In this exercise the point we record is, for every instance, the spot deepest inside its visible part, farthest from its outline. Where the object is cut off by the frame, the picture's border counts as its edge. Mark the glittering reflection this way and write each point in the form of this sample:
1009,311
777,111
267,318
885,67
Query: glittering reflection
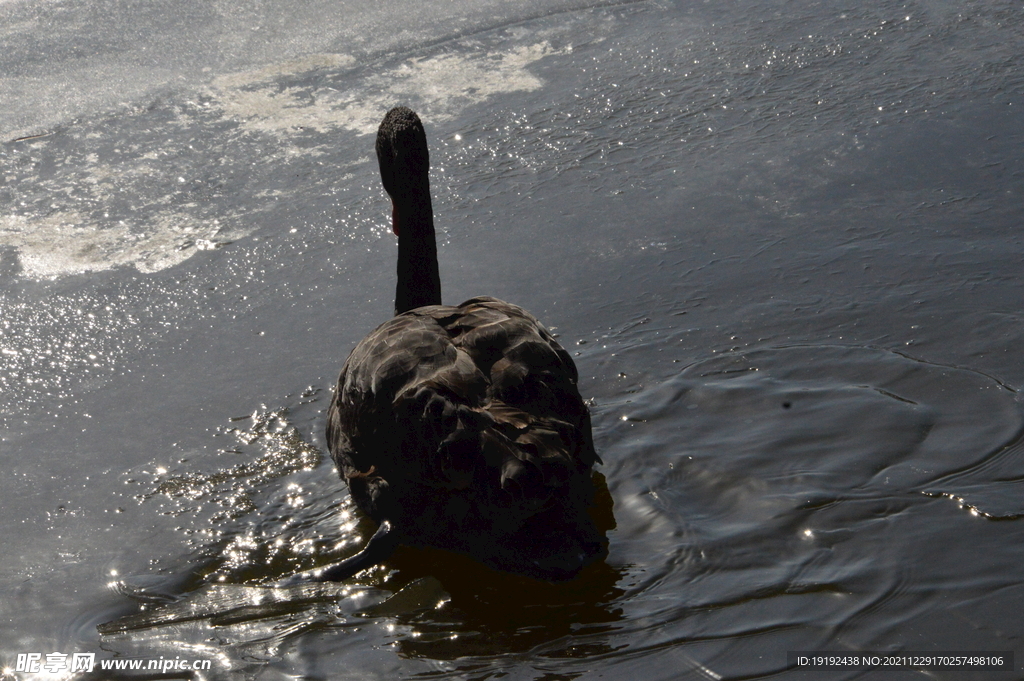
284,451
275,511
274,508
991,489
238,627
222,605
49,351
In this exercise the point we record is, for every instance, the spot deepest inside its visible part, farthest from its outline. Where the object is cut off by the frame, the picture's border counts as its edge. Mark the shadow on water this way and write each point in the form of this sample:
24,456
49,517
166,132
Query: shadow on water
490,613
493,614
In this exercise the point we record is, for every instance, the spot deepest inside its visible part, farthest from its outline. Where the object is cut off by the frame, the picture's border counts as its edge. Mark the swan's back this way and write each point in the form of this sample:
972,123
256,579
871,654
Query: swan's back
463,427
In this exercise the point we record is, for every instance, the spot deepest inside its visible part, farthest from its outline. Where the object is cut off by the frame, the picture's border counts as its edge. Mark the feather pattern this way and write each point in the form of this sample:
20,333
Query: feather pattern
484,429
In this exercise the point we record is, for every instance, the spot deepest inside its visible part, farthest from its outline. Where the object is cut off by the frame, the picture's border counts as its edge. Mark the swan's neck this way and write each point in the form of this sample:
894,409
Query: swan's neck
418,281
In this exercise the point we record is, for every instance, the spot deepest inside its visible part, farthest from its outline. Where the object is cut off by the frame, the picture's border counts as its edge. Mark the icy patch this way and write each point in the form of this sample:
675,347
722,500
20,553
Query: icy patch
66,243
153,188
438,86
285,68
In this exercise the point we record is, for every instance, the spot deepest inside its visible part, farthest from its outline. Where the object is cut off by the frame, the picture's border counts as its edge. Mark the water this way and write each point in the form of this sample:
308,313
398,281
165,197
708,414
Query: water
782,241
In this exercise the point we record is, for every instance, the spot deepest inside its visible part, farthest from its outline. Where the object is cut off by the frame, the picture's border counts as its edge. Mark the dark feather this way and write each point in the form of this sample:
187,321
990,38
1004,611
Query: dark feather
472,425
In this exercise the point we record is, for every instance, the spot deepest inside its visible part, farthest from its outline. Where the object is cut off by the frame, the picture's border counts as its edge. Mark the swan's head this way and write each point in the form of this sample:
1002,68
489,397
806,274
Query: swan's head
403,158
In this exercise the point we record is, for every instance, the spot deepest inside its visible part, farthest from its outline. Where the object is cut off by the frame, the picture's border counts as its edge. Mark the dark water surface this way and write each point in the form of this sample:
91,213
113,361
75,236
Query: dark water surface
783,241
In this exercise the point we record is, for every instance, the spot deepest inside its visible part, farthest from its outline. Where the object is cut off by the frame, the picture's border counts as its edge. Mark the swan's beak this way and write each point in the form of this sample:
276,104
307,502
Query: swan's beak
394,218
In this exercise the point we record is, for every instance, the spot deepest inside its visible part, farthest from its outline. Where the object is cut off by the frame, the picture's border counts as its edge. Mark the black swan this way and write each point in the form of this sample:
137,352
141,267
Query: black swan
460,427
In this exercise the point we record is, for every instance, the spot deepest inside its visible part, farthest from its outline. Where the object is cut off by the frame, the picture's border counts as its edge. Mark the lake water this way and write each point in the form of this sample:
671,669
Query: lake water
782,240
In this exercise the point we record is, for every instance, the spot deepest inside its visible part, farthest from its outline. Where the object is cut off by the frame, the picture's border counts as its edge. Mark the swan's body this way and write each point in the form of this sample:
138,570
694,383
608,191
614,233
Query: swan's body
460,427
